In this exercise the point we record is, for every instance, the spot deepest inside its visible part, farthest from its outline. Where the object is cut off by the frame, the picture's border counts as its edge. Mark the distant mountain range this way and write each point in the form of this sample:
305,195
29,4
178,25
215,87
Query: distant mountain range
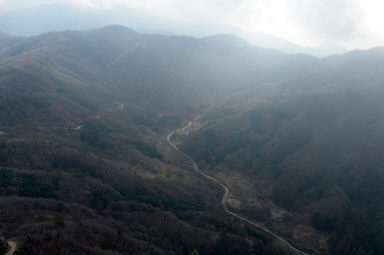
53,17
260,39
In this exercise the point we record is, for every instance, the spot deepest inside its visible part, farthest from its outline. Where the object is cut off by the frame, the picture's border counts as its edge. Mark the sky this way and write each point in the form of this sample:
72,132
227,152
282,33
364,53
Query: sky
352,23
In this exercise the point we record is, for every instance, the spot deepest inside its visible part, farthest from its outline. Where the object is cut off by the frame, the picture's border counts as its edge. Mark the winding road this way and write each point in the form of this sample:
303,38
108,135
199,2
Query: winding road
12,247
226,193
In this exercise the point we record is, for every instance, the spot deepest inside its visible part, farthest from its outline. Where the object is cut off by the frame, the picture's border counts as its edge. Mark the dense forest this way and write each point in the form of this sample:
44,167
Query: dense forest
84,163
316,149
85,167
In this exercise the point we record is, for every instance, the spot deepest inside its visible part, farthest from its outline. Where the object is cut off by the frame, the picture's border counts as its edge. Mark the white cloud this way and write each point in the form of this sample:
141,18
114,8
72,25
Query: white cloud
304,21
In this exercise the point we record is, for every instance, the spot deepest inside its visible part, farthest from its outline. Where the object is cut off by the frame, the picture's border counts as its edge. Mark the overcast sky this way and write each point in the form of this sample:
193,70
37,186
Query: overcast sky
354,23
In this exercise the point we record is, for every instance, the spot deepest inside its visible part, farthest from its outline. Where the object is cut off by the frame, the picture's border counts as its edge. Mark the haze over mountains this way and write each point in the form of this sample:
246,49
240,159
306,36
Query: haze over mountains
86,168
33,20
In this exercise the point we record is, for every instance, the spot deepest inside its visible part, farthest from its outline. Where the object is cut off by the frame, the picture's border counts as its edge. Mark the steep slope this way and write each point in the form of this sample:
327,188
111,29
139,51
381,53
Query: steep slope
174,75
84,164
313,147
83,154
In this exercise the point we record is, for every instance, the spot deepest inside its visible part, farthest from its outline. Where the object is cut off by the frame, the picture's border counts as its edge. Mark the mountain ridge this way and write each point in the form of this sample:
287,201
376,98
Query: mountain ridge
289,134
69,17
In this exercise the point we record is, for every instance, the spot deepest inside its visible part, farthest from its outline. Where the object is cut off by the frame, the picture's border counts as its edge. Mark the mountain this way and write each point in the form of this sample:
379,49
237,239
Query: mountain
313,147
172,74
29,21
85,166
67,16
260,39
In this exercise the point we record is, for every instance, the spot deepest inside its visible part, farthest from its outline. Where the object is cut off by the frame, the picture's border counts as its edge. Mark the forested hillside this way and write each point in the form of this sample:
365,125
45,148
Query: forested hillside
84,163
313,146
85,167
